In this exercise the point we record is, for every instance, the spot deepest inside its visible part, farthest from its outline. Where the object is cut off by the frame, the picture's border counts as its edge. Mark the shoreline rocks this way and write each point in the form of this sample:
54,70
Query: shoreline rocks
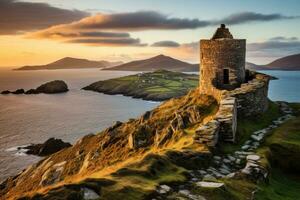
49,147
52,87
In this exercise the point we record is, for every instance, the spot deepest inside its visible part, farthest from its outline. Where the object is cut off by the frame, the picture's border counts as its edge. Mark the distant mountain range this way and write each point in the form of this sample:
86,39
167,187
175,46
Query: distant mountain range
155,63
291,63
288,63
72,63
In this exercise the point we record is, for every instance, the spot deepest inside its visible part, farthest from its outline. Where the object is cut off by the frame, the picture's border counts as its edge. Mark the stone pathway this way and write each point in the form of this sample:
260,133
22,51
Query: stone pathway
226,166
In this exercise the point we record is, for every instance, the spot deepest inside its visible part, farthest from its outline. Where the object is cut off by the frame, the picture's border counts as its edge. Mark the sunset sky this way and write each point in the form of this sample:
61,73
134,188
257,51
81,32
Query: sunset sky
41,31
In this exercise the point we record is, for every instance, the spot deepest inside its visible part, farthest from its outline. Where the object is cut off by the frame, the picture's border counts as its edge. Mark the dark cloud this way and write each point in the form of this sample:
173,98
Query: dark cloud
273,48
276,44
145,20
243,17
142,20
103,27
281,38
165,44
151,20
18,17
109,42
88,34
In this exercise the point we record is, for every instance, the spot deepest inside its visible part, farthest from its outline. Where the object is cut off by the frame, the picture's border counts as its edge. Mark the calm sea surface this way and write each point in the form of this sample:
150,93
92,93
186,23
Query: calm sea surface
28,119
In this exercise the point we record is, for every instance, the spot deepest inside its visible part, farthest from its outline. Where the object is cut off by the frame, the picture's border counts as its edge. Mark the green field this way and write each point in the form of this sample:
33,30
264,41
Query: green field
157,86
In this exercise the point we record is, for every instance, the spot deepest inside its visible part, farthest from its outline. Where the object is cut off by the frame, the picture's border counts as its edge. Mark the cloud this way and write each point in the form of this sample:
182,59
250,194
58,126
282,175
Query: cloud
142,20
108,42
111,25
276,44
151,20
281,38
186,51
19,17
74,34
243,17
165,44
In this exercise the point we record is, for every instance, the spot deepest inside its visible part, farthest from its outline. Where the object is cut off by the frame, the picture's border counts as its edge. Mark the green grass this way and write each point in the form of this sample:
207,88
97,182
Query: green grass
235,189
281,186
246,126
282,149
158,85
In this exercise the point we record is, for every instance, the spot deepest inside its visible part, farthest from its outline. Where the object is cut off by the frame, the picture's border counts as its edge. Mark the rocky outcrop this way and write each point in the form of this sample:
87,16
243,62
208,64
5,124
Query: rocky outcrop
49,147
18,91
51,87
5,92
31,91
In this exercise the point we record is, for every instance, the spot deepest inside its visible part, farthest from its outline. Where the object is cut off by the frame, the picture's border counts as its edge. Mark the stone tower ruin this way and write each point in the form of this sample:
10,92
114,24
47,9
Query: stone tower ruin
222,60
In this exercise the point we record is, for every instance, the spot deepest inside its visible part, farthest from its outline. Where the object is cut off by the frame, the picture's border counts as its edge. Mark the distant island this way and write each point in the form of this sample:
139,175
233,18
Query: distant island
155,63
288,63
52,87
71,63
156,86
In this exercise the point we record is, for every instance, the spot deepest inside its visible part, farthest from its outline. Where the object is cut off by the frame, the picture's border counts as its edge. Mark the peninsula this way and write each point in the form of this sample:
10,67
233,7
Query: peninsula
155,86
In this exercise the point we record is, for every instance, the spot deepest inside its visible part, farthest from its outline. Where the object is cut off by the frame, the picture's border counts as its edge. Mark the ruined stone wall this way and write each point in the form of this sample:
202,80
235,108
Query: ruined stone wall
252,97
248,100
217,55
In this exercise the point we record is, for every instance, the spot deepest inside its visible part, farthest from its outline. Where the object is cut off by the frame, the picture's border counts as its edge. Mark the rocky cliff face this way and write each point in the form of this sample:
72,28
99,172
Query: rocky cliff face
164,131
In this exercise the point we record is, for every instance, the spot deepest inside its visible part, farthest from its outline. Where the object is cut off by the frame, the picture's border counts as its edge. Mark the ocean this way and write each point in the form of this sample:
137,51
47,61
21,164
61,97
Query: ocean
26,119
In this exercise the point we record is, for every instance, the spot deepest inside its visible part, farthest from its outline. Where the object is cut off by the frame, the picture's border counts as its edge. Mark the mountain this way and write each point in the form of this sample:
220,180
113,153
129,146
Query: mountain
291,62
72,63
156,63
288,63
253,66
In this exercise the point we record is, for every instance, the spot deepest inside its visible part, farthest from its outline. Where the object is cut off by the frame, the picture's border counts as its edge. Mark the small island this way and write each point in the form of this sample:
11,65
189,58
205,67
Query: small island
51,87
159,85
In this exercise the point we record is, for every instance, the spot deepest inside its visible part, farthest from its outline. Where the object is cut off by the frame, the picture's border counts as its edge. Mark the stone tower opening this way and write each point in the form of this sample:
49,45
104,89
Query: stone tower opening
226,76
222,61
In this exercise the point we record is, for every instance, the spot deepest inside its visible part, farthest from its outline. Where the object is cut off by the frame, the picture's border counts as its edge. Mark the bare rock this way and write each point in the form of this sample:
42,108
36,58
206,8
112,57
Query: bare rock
5,92
52,87
31,91
19,91
210,184
49,147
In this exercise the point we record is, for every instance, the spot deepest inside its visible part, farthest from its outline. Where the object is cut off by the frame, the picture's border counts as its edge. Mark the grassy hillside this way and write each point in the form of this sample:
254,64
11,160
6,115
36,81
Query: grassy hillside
128,160
157,86
282,149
